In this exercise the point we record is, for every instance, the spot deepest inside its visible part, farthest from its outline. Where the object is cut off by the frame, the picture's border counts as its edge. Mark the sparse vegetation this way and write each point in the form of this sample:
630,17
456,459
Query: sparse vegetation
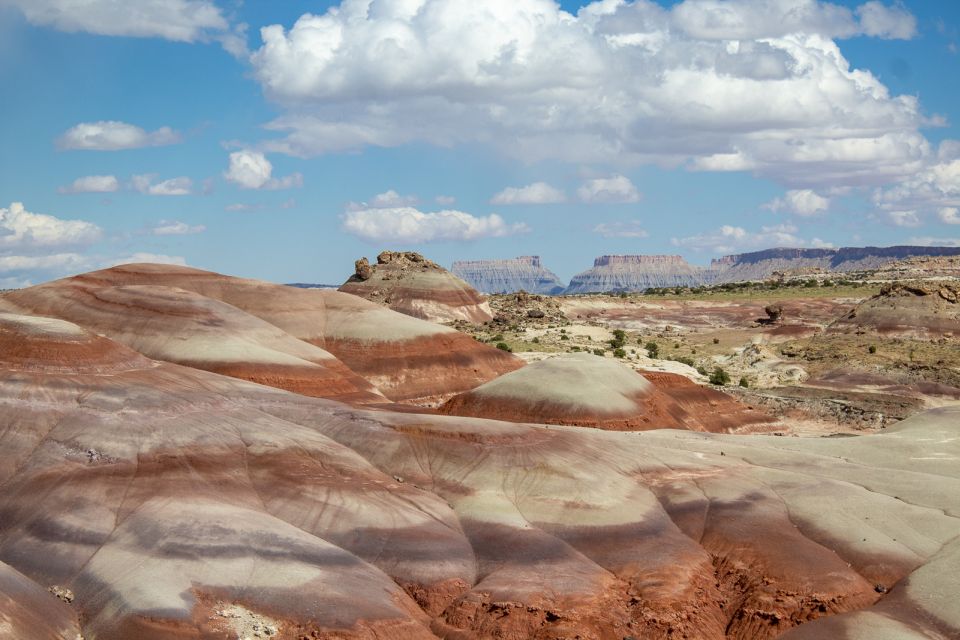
619,353
744,382
653,350
598,352
503,346
719,377
872,348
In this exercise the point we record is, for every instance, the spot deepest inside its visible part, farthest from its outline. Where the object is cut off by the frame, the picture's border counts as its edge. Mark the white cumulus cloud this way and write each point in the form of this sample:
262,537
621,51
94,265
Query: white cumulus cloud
252,170
176,228
23,230
112,135
536,193
92,184
949,215
145,184
628,229
903,218
733,239
756,85
802,202
180,20
409,225
616,189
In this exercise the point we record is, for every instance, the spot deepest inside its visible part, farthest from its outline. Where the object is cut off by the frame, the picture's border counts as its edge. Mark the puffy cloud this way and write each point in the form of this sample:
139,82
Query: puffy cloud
409,225
802,202
21,230
894,22
181,20
616,189
740,85
50,262
731,239
111,135
251,170
536,193
936,186
181,186
391,198
752,19
903,218
949,215
176,228
92,184
630,229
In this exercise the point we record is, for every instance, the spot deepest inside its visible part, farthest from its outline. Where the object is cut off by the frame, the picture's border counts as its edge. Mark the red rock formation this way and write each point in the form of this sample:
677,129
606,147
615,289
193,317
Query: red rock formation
184,327
715,410
920,310
404,358
591,391
178,503
410,284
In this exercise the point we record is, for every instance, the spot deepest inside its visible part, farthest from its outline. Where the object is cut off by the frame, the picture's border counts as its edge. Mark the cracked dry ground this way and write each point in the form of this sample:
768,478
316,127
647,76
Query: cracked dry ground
160,495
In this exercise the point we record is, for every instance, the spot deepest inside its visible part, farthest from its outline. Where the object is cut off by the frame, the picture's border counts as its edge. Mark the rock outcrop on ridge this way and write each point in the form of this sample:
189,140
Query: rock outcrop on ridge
403,358
525,273
918,310
636,273
171,502
410,284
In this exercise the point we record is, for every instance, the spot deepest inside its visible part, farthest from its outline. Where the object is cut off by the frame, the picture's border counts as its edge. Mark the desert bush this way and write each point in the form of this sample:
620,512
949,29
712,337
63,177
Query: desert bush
503,346
719,377
653,350
619,353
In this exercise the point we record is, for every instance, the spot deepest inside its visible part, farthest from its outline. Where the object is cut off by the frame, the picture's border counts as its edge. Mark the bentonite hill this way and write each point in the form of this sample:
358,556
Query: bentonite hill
609,320
189,455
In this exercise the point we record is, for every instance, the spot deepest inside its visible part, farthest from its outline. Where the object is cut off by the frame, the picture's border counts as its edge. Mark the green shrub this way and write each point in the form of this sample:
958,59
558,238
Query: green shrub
701,371
684,360
872,349
536,340
716,341
653,350
619,353
564,337
744,382
598,352
503,346
719,377
497,338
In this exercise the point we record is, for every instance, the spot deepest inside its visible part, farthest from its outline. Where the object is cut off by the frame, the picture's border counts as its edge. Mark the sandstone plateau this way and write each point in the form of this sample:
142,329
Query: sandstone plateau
525,273
410,284
636,273
925,310
141,498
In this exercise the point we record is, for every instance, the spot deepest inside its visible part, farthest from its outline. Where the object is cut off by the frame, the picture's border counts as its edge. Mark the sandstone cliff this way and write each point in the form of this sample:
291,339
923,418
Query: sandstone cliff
762,264
635,273
525,273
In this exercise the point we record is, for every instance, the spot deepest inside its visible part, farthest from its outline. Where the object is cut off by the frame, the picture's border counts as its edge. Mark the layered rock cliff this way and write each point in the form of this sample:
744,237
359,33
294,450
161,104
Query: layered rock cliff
525,273
635,273
758,265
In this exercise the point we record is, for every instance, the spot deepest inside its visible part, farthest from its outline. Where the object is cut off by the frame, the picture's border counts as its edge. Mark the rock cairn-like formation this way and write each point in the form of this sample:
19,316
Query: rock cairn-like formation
525,273
636,273
408,283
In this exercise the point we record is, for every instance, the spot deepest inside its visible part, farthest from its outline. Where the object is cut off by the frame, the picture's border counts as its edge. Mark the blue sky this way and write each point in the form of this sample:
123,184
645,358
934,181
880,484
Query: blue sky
469,130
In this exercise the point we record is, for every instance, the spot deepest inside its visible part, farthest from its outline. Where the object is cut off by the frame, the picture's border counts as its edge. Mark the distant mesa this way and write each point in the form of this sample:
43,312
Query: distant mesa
924,310
525,273
636,273
640,272
408,283
592,391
